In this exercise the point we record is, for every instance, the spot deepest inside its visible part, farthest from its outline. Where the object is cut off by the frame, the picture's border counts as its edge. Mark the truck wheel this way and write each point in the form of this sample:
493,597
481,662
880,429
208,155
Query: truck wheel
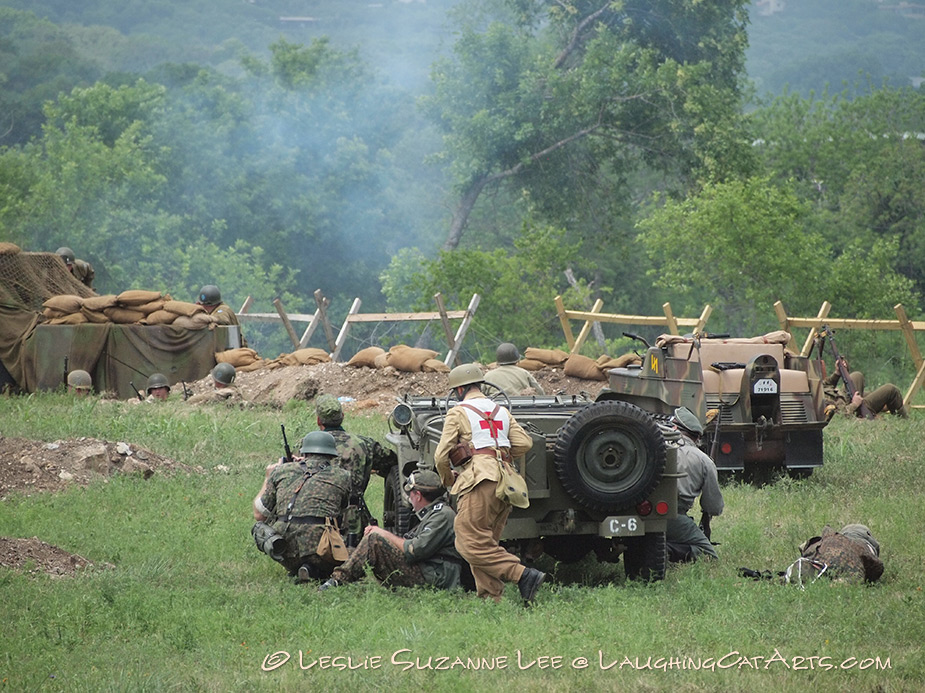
645,557
396,514
610,455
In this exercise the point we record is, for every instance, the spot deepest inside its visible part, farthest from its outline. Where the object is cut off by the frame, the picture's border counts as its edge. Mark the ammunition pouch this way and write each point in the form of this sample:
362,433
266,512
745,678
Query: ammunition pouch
268,541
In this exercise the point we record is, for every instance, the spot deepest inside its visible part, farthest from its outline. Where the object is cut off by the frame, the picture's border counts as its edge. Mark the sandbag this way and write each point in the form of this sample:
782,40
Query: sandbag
434,366
409,359
8,248
187,323
238,358
137,297
123,316
551,357
159,317
53,314
382,360
148,308
531,364
201,320
95,316
98,303
71,319
256,365
366,357
66,303
584,367
183,308
310,356
606,362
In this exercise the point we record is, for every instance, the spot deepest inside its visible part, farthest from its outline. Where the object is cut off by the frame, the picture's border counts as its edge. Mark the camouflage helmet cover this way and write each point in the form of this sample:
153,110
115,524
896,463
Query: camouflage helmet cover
328,410
209,295
319,443
66,254
506,354
466,374
224,373
79,380
156,380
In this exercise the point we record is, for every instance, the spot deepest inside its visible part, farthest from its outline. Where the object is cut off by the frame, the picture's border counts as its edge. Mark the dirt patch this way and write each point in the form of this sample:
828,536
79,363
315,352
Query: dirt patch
28,466
367,389
36,556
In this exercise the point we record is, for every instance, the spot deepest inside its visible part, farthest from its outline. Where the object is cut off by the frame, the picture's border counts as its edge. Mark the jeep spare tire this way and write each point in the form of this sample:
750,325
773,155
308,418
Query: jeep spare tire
610,455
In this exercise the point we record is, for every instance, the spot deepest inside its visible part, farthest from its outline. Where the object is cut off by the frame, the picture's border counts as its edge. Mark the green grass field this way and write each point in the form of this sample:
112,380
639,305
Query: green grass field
192,605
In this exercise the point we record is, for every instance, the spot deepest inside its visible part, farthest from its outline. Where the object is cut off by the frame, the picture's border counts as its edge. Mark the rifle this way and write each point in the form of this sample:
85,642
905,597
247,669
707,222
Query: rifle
64,380
705,525
286,447
187,393
140,396
842,366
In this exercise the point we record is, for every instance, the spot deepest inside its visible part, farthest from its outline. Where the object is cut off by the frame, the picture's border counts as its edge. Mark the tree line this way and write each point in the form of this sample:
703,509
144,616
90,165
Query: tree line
617,141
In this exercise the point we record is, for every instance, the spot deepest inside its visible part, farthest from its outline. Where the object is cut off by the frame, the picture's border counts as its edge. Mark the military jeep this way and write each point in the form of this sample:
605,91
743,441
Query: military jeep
768,403
602,477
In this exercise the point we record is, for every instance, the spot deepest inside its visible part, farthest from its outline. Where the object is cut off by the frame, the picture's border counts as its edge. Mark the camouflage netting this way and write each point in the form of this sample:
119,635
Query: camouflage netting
27,280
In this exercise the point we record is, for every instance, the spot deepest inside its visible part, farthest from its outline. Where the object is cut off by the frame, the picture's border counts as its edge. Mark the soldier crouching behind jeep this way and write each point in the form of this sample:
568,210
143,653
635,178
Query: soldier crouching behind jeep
295,502
424,556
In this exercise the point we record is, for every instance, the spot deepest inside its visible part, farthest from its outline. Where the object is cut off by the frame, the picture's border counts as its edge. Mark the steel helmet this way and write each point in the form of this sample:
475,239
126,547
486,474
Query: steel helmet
209,295
507,354
467,374
224,373
79,380
156,380
66,254
319,443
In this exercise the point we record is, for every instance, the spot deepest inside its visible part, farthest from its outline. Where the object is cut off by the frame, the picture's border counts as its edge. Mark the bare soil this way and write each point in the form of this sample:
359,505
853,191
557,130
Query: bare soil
28,466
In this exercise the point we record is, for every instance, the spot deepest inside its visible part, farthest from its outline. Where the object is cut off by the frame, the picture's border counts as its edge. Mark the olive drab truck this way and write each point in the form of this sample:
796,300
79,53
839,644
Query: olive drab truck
602,477
764,404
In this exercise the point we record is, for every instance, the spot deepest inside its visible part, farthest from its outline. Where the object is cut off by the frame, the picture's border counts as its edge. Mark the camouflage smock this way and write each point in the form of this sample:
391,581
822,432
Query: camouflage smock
360,455
322,495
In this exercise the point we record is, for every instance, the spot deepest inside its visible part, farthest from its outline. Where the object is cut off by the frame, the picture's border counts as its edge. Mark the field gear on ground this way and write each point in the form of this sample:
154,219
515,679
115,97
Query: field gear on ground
331,545
466,374
156,380
224,373
268,541
209,295
319,443
506,354
79,380
328,410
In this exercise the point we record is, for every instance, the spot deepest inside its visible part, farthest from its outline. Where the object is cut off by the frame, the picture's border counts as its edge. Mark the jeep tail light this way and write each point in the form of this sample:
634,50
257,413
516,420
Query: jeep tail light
725,448
661,508
644,508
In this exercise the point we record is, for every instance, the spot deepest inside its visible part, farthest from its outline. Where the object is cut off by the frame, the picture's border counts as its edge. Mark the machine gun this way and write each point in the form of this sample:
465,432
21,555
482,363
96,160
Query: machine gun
842,367
286,447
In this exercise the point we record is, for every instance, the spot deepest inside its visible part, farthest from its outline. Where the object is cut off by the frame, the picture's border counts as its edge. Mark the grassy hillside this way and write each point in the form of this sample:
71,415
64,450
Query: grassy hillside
190,604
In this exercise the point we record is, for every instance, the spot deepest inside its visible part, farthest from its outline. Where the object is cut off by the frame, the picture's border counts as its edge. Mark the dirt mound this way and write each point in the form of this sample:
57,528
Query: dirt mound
367,388
36,556
27,466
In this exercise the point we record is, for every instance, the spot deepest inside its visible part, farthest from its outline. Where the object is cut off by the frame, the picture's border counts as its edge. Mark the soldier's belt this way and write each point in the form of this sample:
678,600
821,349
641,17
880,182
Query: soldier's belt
306,520
505,452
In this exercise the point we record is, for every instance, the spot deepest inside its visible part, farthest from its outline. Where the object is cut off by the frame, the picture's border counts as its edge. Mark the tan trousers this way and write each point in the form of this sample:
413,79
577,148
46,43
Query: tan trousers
480,519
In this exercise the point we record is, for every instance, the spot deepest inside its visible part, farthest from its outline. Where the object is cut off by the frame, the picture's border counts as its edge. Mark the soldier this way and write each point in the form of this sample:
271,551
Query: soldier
481,515
295,501
157,389
360,455
210,298
81,269
510,377
424,556
686,541
886,397
223,387
851,554
79,383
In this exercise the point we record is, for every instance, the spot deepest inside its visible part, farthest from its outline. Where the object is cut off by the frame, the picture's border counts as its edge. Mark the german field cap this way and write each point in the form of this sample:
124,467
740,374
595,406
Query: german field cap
688,420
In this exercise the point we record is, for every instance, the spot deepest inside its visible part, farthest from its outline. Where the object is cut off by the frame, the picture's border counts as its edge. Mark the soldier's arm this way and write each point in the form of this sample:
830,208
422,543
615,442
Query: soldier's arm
711,498
430,538
266,497
452,433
